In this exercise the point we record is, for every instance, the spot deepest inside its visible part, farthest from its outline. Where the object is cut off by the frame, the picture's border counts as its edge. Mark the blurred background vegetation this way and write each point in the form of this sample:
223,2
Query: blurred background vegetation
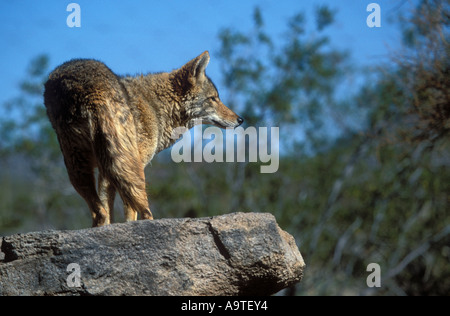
364,176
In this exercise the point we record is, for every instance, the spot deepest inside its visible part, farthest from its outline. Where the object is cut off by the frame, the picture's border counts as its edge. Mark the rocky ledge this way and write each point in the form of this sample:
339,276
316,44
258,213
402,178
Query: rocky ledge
234,254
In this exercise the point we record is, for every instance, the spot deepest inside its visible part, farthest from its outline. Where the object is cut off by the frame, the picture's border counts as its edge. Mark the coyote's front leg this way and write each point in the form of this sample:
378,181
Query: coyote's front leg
107,193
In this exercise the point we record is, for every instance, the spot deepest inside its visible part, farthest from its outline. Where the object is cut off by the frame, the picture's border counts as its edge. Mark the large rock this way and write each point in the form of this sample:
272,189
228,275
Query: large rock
235,254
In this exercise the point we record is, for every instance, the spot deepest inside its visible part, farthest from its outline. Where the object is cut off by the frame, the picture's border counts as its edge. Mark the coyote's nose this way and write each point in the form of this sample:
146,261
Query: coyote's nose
240,120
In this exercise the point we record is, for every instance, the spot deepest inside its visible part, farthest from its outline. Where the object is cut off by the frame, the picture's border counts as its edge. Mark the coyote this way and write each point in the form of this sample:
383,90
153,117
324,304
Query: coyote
118,123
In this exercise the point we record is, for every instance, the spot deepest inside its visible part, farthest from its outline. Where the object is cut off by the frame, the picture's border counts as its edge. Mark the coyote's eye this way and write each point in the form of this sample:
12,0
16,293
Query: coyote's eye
214,99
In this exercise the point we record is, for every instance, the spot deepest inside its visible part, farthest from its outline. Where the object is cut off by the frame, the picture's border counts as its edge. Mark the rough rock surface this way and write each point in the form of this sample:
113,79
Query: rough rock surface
235,254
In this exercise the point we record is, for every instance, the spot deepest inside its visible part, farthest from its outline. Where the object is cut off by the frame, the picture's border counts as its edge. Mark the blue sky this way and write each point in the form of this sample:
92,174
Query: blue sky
148,36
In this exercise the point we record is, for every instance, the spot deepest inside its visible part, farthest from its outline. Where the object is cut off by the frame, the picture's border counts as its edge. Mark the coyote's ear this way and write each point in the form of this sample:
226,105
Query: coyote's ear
202,62
198,65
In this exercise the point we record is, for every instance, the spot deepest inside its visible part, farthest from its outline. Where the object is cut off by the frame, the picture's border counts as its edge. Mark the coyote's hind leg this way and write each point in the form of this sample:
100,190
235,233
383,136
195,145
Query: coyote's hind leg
81,175
134,197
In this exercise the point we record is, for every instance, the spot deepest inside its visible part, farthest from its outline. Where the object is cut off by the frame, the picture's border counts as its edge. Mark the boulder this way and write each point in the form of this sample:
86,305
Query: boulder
234,254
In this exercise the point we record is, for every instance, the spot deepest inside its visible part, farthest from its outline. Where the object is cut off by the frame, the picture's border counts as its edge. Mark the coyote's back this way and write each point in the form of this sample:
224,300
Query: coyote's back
75,88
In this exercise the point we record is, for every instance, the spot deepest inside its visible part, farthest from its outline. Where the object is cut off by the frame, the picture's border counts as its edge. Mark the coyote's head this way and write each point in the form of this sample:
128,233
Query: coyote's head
200,100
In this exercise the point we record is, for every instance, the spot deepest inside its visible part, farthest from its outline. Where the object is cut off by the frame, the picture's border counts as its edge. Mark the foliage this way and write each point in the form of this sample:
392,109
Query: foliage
282,84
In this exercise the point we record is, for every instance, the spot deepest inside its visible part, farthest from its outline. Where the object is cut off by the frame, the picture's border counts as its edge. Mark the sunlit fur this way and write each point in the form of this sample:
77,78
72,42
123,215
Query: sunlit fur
118,124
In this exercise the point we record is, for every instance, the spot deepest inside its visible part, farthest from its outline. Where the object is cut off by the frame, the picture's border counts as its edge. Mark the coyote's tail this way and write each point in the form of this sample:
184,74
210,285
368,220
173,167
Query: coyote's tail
117,153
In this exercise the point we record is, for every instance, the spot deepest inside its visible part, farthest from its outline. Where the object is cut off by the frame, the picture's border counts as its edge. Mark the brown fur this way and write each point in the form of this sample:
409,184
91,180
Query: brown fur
118,124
